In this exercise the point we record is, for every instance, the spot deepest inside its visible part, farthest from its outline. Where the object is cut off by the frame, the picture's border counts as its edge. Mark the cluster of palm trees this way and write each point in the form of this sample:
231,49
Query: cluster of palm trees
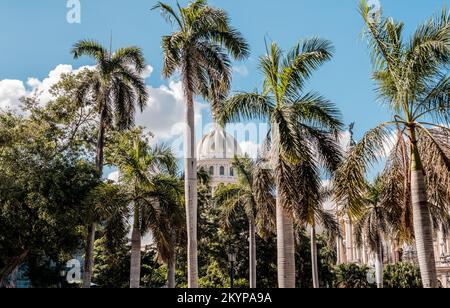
284,187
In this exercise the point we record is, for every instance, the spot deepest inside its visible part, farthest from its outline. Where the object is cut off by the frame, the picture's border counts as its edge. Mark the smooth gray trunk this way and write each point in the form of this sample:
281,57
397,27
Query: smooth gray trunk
314,263
135,262
89,253
190,166
379,266
252,254
285,247
422,219
171,270
89,256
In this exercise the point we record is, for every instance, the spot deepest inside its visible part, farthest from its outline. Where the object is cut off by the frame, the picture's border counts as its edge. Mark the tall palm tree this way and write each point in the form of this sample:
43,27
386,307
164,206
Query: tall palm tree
114,88
314,215
379,218
259,206
300,123
412,79
149,176
199,49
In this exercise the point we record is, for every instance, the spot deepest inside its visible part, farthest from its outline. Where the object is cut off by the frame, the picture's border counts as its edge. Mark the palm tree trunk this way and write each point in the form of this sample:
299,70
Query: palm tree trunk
379,265
89,253
89,256
135,262
190,166
314,263
422,219
285,247
252,253
171,269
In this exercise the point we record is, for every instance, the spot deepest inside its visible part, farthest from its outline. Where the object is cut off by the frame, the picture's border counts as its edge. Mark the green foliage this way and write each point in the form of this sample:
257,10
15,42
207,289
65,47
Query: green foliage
43,190
402,276
352,276
112,268
326,257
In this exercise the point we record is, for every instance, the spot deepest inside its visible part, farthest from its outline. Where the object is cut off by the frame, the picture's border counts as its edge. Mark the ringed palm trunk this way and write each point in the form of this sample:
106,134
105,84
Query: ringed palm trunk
252,253
379,265
89,253
135,261
314,263
190,166
422,219
285,247
171,269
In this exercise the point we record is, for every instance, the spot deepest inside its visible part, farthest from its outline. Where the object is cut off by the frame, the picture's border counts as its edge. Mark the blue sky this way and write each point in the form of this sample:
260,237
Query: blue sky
35,38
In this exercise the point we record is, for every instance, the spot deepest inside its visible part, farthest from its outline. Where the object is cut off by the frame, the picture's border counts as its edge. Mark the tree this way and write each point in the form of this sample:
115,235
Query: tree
198,49
43,189
378,218
352,276
412,80
114,87
299,123
148,175
314,215
259,206
402,275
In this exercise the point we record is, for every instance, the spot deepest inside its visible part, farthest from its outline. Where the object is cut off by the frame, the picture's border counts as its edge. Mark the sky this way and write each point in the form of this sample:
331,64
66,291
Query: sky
36,39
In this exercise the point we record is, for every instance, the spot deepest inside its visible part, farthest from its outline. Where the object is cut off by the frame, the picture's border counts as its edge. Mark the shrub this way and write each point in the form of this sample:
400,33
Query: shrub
352,276
402,276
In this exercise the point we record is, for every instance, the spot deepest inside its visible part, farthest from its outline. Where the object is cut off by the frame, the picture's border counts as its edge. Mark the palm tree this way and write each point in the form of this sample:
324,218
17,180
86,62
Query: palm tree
313,215
114,87
198,50
412,79
149,177
299,124
259,206
378,218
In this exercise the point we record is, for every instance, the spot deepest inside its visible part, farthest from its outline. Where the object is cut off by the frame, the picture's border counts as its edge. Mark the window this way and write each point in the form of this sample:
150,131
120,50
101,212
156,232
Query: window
211,170
231,171
222,171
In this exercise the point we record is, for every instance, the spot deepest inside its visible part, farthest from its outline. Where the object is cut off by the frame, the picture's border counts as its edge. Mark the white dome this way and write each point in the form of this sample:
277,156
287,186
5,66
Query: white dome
218,145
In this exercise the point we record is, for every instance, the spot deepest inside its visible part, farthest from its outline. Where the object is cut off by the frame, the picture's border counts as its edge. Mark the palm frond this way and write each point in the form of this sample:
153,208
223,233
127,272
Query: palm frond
302,61
168,13
246,106
349,182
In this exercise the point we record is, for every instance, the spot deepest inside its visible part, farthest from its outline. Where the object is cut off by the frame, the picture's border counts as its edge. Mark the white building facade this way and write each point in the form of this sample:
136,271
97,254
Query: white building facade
216,152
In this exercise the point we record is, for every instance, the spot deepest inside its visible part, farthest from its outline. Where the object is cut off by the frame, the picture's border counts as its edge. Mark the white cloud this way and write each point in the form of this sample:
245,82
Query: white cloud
12,90
147,72
114,177
163,116
165,111
10,93
241,70
43,87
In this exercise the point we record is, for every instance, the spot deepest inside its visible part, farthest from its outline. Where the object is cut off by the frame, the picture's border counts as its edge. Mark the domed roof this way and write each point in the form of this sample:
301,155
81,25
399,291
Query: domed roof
218,144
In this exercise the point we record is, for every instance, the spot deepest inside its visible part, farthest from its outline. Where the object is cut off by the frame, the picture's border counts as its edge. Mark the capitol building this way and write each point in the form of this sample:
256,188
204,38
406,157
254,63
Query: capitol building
215,152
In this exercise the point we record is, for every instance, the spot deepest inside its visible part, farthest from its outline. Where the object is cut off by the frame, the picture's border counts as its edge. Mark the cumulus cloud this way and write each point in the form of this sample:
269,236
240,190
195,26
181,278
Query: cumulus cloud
42,88
163,116
114,177
147,72
12,90
10,93
241,70
165,111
